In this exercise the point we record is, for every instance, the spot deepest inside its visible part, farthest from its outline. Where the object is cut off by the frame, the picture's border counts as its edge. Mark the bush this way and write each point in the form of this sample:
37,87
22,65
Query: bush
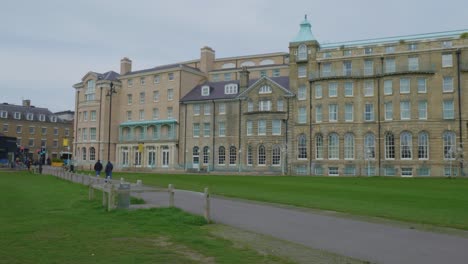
57,160
464,35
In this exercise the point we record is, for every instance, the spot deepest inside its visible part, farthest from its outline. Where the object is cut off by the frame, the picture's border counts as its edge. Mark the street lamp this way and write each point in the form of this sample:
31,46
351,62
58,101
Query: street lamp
110,92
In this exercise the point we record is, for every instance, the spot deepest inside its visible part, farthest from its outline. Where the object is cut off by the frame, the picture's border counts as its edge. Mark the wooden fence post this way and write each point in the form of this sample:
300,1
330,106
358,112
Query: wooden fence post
171,195
207,205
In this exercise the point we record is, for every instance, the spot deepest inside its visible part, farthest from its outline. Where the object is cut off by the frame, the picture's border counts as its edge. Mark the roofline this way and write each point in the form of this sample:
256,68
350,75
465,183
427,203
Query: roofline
146,72
252,56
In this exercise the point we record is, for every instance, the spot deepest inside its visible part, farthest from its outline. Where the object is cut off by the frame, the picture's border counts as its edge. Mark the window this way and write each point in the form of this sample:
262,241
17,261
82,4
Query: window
3,114
250,106
369,146
31,142
388,110
215,77
261,127
405,110
422,85
347,53
170,76
447,60
389,146
93,115
142,98
92,133
301,71
423,146
327,55
318,91
368,88
390,49
141,114
447,44
53,119
301,93
369,112
232,155
32,130
349,109
230,88
222,108
302,52
92,153
332,112
347,68
227,77
406,172
412,46
448,111
157,78
263,74
17,115
279,105
447,84
221,129
276,156
85,134
333,89
349,89
404,85
326,69
406,145
207,109
155,96
196,109
29,116
206,155
413,63
318,114
206,129
319,146
196,129
389,65
90,90
155,113
333,146
302,115
276,127
56,131
276,73
388,87
249,156
129,99
368,67
249,128
142,81
130,82
205,90
55,143
170,94
261,155
424,171
264,105
18,141
67,132
422,110
5,128
368,50
302,170
170,113
85,116
449,145
349,146
302,147
18,129
221,156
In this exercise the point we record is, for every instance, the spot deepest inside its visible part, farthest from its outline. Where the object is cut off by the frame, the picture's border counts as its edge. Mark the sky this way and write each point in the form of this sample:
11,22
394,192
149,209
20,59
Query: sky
47,46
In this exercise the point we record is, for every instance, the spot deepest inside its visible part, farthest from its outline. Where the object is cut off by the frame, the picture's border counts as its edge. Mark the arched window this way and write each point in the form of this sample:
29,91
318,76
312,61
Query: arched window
232,155
389,145
196,151
302,52
249,156
267,62
449,145
276,156
261,155
406,145
319,146
247,63
333,146
228,66
92,153
206,155
423,145
221,156
369,146
302,147
349,146
83,152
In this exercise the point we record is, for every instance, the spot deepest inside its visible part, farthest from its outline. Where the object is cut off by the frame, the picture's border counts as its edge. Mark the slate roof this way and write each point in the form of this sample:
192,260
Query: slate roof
110,76
252,67
24,110
217,89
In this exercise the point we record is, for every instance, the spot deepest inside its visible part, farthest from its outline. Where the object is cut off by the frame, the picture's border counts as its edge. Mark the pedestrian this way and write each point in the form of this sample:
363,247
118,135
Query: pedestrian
98,168
28,164
109,168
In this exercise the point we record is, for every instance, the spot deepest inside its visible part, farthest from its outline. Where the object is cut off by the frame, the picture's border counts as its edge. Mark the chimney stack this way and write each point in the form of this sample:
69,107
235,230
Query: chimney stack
27,103
244,79
207,58
125,66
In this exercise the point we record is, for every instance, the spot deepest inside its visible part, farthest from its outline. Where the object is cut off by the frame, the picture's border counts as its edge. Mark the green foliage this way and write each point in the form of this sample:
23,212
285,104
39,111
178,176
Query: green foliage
56,160
464,35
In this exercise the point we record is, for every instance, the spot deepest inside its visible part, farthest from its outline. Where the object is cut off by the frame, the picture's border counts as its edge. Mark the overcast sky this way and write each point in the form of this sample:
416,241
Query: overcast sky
46,46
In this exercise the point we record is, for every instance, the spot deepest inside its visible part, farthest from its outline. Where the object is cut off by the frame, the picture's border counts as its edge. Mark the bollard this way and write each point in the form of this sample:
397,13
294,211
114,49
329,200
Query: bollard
110,203
207,205
171,195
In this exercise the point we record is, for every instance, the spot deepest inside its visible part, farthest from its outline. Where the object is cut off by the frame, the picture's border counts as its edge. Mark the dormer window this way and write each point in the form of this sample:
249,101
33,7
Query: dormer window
30,116
302,52
368,51
230,88
205,91
53,119
42,117
17,115
265,89
447,44
3,114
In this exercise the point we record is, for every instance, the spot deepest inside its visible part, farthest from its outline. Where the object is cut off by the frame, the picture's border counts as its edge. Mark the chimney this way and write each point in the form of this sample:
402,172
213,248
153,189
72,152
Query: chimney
244,79
207,58
125,66
27,103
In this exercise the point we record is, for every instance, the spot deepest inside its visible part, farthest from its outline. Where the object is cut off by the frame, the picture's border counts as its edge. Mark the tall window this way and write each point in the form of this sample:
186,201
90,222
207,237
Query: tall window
170,94
222,108
264,105
232,155
349,89
206,155
250,106
318,91
388,110
448,109
301,93
196,109
276,156
92,153
207,109
301,71
369,88
413,63
404,85
249,156
423,146
92,134
83,153
349,109
447,60
261,155
333,89
389,146
368,67
406,145
302,52
221,156
129,99
349,146
447,85
249,128
333,146
405,110
196,129
142,98
422,110
142,114
261,127
302,115
369,146
388,87
90,90
206,129
369,112
347,68
318,113
302,147
155,113
389,65
276,127
326,69
449,145
221,129
422,85
333,112
279,105
319,146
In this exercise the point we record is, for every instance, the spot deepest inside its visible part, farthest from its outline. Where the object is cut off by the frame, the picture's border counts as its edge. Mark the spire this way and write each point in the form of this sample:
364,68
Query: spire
305,32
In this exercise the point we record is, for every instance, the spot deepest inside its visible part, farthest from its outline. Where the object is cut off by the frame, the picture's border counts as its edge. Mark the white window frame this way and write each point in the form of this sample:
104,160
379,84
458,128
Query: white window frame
222,108
318,114
448,113
388,108
368,88
405,85
447,60
276,127
301,71
261,129
196,109
369,112
333,113
422,85
422,110
349,89
333,89
349,112
318,91
249,128
388,87
405,110
302,115
301,92
447,84
221,129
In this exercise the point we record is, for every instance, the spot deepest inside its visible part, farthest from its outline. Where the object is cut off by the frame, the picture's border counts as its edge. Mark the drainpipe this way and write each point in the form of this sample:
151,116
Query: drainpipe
76,122
185,137
379,126
239,139
459,109
286,136
214,135
100,133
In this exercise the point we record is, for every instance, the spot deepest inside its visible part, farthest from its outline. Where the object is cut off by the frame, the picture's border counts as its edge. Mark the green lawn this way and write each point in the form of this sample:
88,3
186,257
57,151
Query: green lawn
48,220
433,201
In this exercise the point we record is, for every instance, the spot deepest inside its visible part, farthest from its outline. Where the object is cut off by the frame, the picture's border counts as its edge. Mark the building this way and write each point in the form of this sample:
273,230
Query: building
35,128
389,106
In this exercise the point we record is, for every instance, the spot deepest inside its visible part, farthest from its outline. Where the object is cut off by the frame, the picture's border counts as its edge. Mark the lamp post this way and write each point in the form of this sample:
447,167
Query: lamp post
110,92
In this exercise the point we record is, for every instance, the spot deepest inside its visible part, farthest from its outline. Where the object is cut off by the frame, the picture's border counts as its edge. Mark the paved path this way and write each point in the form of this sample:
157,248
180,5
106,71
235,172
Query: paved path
373,242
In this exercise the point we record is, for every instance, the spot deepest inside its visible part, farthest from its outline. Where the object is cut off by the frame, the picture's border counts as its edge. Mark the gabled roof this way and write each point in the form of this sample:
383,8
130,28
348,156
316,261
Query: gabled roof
280,82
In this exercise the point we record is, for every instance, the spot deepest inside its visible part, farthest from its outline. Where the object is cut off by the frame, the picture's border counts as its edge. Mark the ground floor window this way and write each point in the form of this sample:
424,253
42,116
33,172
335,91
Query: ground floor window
389,171
350,171
301,170
450,171
276,156
221,156
333,171
424,172
318,171
232,155
407,172
249,156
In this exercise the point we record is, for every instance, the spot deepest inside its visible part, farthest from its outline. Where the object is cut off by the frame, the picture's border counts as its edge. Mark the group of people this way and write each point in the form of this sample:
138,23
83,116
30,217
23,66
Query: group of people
108,170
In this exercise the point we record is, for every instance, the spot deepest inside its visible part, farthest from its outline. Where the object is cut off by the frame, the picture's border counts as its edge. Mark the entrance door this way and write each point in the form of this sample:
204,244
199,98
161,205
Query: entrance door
165,157
196,158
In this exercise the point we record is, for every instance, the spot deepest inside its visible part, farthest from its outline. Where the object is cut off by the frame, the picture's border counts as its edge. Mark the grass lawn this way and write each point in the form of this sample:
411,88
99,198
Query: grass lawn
47,220
433,201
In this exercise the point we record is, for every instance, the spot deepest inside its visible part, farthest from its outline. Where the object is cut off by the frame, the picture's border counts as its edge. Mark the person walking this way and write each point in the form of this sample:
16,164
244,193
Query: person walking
98,168
109,168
